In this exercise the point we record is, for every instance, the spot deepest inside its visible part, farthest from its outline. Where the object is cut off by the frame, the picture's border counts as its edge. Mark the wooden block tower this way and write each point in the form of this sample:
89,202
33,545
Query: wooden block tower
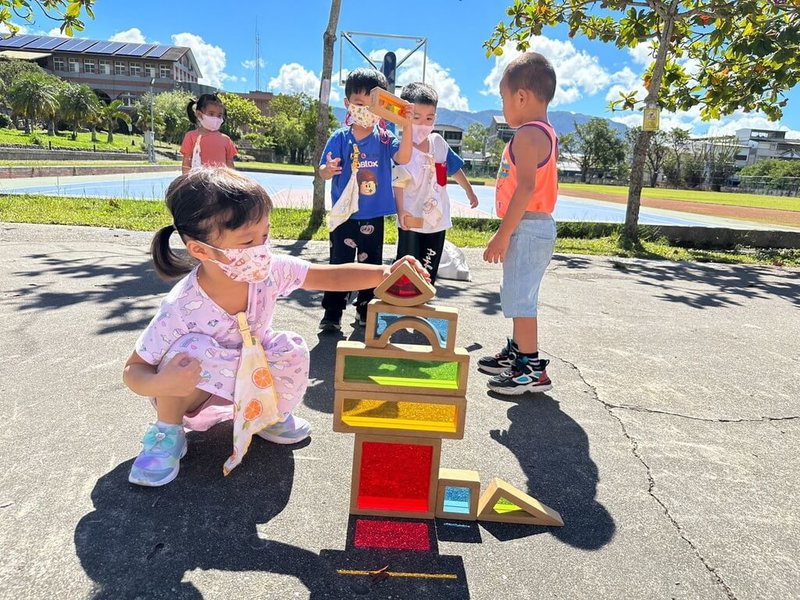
400,401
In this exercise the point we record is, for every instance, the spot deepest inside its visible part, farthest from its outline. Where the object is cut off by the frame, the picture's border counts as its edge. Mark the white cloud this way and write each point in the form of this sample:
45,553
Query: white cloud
211,59
56,32
23,29
643,54
436,75
577,72
133,35
691,121
294,78
251,64
625,81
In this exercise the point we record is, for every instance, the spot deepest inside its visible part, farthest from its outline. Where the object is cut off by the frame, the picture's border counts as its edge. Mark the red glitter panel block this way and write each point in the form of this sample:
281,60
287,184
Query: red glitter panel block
404,288
395,477
393,535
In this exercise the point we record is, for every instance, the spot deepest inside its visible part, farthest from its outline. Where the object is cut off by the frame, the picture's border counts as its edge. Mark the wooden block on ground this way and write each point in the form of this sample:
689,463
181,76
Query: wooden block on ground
380,316
503,503
458,494
412,415
401,368
405,287
395,476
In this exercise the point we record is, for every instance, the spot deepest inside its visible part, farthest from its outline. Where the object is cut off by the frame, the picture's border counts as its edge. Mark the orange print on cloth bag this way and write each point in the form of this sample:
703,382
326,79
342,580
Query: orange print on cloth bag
255,403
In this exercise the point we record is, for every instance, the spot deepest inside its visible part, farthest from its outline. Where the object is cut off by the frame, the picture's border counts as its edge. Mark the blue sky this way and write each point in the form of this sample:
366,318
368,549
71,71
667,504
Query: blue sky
222,35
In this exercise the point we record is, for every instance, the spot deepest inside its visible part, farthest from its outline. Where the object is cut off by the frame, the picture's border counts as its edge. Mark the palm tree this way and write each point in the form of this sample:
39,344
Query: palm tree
109,114
78,104
35,97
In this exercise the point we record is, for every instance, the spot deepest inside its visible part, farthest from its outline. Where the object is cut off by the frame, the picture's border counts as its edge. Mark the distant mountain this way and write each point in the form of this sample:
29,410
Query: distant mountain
562,121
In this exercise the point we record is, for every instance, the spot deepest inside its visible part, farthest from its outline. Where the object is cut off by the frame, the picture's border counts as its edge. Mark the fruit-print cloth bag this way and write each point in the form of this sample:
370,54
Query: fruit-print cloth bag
348,201
255,402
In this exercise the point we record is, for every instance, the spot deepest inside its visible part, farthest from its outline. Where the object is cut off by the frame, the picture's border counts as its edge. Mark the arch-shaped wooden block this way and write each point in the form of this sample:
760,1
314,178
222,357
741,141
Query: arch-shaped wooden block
438,345
442,320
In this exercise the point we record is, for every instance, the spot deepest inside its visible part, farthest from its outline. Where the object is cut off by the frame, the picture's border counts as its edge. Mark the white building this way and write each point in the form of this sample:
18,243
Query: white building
761,144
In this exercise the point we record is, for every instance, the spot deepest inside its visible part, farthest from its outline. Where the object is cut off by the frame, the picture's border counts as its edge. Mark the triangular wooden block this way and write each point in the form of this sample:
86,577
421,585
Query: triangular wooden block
503,503
405,287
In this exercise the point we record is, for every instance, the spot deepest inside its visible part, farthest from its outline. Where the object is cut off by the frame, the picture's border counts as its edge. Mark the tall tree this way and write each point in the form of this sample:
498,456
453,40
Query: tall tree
656,152
476,138
720,55
66,12
78,104
322,127
596,147
109,116
35,97
241,114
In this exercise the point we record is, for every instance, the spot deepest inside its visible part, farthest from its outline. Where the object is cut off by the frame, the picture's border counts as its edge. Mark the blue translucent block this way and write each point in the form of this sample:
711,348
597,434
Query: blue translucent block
440,326
456,500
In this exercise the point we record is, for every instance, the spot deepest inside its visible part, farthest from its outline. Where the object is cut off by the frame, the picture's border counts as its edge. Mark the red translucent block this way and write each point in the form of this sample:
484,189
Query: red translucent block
403,288
395,477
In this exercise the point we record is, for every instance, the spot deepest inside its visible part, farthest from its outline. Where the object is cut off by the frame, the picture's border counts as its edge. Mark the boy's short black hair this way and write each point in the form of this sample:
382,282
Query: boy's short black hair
420,93
362,80
532,72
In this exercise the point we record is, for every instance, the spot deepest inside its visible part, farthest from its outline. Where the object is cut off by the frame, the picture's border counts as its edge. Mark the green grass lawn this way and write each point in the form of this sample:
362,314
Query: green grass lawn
263,166
63,139
292,224
702,196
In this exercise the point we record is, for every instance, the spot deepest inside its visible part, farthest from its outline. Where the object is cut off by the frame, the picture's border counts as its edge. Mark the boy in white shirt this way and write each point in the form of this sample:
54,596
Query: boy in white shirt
423,207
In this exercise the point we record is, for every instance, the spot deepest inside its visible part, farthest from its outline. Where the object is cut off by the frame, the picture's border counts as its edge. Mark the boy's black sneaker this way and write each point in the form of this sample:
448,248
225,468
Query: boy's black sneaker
525,376
500,362
332,321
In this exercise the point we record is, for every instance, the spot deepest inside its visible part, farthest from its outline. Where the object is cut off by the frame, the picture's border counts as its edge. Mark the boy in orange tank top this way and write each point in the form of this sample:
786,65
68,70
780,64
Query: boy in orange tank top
527,190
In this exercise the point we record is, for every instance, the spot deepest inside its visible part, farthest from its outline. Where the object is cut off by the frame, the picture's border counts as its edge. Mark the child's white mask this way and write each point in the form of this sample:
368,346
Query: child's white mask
248,265
419,133
211,123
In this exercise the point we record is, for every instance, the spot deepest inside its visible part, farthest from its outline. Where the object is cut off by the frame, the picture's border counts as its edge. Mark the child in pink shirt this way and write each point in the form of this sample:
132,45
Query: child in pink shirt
205,145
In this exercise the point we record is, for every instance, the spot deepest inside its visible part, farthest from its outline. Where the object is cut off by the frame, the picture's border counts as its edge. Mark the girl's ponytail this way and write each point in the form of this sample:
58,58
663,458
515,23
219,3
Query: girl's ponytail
168,264
191,113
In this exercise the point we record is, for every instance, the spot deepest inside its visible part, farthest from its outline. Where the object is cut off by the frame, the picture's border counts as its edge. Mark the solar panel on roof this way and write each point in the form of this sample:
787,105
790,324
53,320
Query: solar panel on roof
97,48
158,51
45,43
84,45
17,41
142,50
68,46
127,49
110,48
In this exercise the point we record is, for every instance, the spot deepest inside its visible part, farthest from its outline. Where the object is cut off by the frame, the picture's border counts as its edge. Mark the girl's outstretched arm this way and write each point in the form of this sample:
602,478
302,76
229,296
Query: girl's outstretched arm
344,278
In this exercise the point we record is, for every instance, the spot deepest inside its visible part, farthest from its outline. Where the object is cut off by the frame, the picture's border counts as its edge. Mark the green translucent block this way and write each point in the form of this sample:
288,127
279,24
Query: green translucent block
404,372
504,507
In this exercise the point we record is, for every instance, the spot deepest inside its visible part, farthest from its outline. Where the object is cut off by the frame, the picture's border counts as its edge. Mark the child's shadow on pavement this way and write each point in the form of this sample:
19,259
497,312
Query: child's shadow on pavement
140,542
553,451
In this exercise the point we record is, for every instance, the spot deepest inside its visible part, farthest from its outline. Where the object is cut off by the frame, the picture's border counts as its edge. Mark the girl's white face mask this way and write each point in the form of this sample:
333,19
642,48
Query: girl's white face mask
247,265
210,123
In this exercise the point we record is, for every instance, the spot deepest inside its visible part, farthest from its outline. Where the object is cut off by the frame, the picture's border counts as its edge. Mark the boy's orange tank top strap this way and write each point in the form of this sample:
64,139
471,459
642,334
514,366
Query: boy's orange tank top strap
545,192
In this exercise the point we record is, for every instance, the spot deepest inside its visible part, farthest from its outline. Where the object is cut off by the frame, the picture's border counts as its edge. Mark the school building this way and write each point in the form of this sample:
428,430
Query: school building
114,70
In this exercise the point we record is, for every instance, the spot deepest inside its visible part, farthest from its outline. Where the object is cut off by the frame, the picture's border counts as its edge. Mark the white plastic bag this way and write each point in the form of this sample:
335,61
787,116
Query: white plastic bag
453,264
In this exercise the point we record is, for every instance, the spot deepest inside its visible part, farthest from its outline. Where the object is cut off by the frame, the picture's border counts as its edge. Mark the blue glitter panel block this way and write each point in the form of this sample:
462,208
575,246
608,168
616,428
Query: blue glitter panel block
457,500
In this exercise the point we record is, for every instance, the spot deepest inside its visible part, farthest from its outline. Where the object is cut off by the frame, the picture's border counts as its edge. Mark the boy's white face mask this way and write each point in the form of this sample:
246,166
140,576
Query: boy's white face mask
421,132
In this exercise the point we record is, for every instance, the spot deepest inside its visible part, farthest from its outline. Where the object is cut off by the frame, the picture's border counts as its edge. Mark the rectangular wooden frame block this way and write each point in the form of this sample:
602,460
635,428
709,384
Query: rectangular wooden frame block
458,478
427,505
387,105
424,311
402,352
448,424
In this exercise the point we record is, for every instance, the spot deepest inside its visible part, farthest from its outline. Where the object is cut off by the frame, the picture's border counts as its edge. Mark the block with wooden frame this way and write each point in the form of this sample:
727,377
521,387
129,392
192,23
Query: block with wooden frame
401,368
413,415
411,222
381,316
501,502
459,491
395,476
388,106
405,287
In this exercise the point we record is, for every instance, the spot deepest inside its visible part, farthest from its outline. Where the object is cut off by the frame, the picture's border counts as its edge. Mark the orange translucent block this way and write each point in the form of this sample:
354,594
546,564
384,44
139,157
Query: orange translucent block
387,105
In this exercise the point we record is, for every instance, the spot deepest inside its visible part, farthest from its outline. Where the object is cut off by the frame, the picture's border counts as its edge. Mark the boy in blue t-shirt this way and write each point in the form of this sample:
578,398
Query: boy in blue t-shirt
361,235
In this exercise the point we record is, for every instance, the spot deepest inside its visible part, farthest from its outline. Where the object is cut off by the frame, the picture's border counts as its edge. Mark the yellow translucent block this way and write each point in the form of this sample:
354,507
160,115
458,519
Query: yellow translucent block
415,416
504,507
